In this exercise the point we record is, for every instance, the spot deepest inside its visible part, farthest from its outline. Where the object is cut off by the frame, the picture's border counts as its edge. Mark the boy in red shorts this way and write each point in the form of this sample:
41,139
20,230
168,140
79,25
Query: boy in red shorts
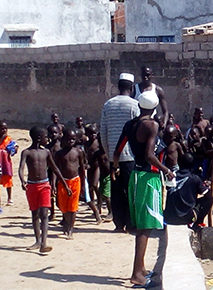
38,190
70,161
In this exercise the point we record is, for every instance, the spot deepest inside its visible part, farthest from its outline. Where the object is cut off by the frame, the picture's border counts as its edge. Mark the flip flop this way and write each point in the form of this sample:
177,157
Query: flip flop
149,284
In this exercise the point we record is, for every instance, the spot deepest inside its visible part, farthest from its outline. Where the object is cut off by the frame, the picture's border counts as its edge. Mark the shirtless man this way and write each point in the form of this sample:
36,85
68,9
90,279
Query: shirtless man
148,88
145,197
199,121
71,163
37,187
174,150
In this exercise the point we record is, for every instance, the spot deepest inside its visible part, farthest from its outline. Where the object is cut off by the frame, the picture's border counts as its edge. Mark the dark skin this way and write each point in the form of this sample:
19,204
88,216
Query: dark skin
55,120
147,131
199,121
3,134
80,141
54,145
38,159
174,149
146,85
70,161
93,172
104,165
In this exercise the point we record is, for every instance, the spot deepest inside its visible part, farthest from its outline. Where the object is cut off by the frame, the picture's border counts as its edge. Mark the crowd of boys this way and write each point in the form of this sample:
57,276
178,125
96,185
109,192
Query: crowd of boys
67,165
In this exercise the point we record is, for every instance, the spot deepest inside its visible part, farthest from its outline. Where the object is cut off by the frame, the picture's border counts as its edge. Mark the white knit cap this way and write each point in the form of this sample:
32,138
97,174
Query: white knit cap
127,77
147,100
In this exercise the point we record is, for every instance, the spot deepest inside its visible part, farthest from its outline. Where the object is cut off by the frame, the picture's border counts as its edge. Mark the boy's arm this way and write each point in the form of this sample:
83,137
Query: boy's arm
21,169
82,171
163,104
57,172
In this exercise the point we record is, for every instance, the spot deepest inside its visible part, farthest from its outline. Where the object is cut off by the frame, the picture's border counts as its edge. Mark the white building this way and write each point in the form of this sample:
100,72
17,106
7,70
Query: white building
54,22
163,20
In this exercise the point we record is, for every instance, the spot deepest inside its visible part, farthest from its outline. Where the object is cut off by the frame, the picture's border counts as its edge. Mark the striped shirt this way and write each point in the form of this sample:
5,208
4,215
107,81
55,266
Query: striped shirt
115,113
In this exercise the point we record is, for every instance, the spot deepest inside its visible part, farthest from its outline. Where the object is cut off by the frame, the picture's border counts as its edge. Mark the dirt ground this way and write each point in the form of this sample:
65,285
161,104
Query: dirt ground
97,258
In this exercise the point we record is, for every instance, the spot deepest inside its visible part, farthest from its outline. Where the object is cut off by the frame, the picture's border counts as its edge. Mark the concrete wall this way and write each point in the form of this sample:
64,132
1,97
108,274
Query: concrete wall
77,79
58,21
164,17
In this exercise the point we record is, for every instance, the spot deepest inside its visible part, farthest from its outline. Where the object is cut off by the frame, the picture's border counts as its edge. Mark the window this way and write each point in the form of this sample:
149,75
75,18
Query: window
20,35
163,38
20,41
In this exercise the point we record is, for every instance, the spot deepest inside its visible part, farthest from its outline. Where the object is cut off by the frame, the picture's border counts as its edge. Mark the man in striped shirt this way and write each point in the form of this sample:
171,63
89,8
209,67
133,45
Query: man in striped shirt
116,111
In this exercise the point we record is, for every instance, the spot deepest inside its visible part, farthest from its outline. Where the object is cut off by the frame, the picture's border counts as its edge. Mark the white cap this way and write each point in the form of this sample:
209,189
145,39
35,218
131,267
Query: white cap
148,100
127,77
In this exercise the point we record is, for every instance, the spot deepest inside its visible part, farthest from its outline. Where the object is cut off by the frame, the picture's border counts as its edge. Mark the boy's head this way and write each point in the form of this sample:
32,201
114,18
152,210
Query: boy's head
53,132
195,133
69,138
55,118
38,135
79,122
91,131
209,132
3,128
198,114
186,161
170,134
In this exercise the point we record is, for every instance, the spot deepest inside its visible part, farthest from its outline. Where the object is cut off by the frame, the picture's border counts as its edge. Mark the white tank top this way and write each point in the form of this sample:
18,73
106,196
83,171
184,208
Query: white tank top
147,93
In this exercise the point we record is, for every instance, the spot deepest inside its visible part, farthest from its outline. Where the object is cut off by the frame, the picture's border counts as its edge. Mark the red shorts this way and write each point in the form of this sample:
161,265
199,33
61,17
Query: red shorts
38,195
69,203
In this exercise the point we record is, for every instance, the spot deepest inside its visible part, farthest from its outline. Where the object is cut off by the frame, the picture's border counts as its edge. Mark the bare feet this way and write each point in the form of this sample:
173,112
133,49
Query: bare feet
108,218
34,247
70,237
138,279
45,249
52,217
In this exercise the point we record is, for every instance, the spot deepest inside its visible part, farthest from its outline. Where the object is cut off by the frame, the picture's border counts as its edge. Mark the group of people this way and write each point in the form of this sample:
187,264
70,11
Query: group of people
136,157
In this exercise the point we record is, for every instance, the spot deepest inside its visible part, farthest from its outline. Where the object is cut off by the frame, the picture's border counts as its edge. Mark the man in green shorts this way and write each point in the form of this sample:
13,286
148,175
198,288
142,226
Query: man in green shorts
145,196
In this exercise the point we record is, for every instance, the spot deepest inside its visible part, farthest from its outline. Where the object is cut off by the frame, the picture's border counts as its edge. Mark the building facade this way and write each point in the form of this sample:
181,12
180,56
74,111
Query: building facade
163,20
37,23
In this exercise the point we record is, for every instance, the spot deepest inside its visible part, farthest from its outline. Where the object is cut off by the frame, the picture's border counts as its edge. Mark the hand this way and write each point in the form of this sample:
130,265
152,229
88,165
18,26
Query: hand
23,185
53,192
114,173
169,175
69,191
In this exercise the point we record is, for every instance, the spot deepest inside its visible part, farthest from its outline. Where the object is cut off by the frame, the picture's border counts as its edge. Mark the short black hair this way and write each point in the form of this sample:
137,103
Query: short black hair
124,85
35,132
50,127
186,161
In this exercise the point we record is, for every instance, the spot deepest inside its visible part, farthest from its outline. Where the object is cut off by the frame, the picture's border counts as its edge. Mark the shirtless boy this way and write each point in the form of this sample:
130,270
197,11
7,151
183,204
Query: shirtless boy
38,159
93,172
55,119
54,145
174,150
70,162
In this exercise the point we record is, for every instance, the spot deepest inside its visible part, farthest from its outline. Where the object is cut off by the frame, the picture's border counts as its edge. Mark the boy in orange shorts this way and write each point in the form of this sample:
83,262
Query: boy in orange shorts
70,161
7,149
38,190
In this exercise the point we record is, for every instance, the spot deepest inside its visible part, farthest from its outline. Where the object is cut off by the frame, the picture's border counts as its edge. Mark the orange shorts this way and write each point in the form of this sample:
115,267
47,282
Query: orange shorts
6,181
69,203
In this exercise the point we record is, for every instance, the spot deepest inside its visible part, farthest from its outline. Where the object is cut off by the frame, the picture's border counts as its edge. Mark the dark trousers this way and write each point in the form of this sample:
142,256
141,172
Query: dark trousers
203,206
119,196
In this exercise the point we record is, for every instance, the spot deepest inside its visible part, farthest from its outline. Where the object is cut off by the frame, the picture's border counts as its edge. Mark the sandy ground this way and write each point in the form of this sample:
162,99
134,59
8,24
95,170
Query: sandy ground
97,258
